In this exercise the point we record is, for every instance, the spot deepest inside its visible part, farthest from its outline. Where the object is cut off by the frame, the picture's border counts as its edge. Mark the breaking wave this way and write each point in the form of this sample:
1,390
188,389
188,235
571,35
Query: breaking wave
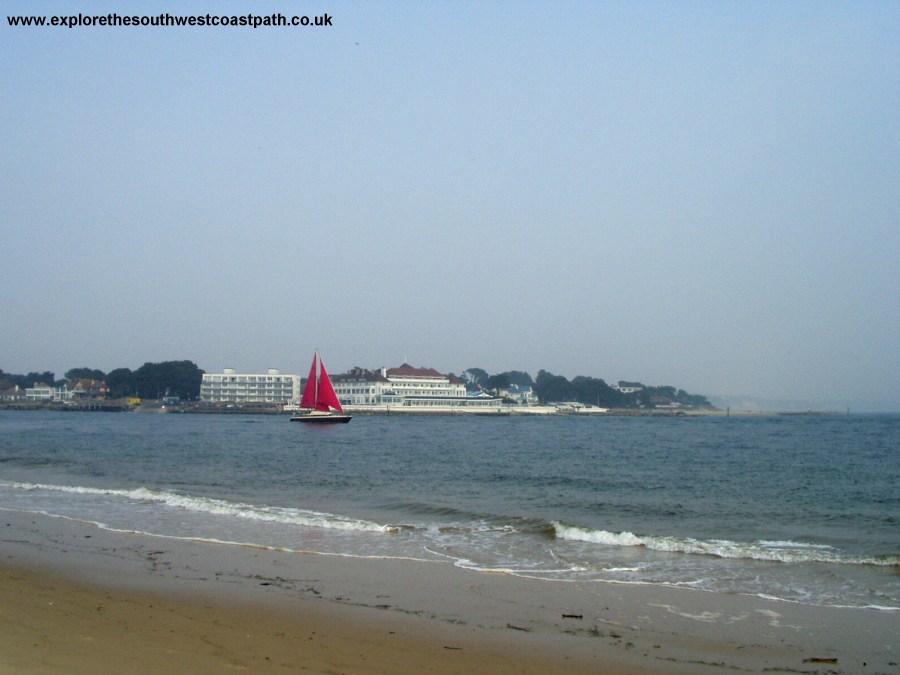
769,551
252,512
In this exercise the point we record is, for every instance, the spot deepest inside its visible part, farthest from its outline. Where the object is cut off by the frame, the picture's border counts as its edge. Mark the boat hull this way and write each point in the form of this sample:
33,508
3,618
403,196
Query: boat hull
327,418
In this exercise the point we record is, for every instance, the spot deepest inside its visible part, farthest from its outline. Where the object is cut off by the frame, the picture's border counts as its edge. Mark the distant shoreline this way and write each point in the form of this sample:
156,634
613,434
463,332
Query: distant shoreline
409,411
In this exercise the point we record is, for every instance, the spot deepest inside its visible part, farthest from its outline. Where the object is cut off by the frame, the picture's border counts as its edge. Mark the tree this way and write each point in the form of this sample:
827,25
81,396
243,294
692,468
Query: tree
550,387
169,378
498,382
85,374
121,383
692,400
594,391
517,378
675,395
476,376
32,379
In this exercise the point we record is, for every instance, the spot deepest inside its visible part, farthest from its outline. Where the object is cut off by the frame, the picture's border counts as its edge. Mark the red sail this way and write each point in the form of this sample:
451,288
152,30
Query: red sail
309,392
327,398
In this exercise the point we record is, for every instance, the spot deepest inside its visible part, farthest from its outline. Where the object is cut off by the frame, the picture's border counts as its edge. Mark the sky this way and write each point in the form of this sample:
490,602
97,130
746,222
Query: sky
697,194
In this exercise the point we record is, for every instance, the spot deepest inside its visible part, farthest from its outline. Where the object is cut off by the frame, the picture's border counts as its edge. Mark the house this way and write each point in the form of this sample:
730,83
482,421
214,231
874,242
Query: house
663,402
86,388
520,394
45,392
12,393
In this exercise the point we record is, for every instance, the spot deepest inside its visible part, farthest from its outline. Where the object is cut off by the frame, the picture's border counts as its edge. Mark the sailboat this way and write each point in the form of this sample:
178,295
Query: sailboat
320,405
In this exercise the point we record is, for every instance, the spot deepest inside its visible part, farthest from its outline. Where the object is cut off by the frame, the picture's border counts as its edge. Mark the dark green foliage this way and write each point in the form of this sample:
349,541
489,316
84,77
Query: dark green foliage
26,381
168,378
517,378
594,391
510,378
586,390
649,395
550,387
496,382
74,374
152,380
121,383
476,376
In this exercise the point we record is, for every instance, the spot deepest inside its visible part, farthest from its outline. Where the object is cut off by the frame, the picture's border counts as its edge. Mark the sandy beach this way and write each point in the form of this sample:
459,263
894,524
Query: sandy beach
77,598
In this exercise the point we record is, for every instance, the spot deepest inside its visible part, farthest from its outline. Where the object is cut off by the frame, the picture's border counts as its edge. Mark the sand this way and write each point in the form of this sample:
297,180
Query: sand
78,599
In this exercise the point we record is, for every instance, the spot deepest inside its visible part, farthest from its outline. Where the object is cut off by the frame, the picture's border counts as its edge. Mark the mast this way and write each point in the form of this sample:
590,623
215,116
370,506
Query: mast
319,394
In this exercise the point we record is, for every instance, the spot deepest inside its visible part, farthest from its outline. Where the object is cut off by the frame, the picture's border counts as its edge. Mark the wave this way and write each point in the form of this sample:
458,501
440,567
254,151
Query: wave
449,519
768,551
221,542
273,514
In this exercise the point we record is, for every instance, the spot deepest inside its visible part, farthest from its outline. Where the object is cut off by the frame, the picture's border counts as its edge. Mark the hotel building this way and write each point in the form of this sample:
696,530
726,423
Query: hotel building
232,387
405,386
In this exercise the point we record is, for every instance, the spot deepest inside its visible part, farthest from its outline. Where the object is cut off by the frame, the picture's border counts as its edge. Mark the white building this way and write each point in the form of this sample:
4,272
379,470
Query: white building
521,395
43,392
626,389
405,387
232,387
363,387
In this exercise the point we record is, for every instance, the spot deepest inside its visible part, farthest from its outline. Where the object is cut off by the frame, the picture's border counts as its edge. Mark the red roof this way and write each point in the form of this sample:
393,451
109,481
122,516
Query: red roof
407,370
88,383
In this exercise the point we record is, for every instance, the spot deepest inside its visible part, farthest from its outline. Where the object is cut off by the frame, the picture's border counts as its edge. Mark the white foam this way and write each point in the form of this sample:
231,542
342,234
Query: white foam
772,551
286,515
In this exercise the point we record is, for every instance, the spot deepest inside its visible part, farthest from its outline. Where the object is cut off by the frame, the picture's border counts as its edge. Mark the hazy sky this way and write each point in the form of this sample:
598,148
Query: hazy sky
701,194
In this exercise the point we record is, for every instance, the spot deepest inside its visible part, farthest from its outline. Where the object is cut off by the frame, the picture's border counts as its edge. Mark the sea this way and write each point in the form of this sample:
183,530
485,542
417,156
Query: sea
798,508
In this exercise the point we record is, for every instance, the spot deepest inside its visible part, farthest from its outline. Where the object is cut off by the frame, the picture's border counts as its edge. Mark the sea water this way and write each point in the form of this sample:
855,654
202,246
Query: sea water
798,508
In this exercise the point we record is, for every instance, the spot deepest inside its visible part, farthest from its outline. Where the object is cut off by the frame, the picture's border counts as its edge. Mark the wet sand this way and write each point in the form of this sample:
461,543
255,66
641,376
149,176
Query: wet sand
76,598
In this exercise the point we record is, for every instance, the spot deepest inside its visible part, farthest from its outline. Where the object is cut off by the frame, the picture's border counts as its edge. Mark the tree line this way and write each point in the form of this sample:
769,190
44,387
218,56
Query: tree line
586,390
179,379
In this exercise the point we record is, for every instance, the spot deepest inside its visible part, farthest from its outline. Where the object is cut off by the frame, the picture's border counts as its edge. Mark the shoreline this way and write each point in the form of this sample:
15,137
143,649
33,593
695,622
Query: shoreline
192,601
52,623
425,411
